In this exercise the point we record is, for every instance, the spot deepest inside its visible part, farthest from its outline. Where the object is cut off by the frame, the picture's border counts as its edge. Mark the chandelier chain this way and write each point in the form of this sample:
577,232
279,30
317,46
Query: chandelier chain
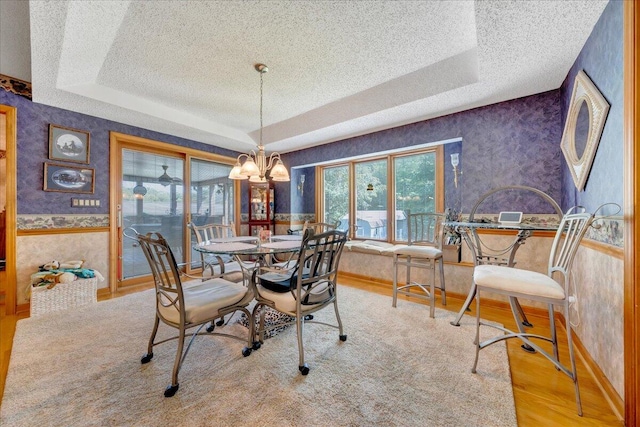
261,107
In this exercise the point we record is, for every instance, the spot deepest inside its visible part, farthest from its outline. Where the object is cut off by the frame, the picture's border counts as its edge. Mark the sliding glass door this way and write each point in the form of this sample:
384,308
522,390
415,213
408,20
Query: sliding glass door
152,200
162,192
212,196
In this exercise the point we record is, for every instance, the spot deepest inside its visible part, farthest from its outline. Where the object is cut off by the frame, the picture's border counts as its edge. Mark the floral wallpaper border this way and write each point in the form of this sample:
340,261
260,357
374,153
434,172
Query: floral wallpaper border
283,218
39,222
17,86
610,230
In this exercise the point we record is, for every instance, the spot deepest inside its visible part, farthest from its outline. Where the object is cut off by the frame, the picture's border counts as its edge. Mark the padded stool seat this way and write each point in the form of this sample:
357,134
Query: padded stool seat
517,281
417,251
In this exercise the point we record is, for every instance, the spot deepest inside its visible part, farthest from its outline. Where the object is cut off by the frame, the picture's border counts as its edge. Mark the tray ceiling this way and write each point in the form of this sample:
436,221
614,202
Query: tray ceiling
337,68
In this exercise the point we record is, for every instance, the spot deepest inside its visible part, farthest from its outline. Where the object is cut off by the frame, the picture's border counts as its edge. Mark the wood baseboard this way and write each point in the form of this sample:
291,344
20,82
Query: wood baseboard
610,394
23,308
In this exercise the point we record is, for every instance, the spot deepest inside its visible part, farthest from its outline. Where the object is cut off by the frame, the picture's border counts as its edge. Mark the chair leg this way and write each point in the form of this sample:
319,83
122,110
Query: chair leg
552,330
173,387
343,337
395,280
408,280
477,339
149,355
432,290
303,367
259,308
443,289
574,375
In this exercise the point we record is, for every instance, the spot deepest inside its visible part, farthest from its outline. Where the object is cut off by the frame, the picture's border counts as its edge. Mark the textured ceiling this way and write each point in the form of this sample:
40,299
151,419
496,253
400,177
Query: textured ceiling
337,68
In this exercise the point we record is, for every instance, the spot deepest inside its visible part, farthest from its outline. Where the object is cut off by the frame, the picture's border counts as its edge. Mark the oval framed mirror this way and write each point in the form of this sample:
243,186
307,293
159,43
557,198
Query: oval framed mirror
583,128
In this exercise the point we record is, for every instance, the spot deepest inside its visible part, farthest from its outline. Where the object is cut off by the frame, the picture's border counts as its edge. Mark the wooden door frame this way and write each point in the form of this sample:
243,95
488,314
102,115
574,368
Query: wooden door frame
118,141
11,114
631,127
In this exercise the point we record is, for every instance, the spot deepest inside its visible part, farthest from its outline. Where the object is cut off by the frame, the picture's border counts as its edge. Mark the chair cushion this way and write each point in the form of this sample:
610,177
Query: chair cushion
277,282
203,300
417,251
507,279
368,246
287,303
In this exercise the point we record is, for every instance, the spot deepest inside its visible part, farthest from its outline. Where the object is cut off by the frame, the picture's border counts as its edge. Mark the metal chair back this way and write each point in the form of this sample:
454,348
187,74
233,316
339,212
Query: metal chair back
566,243
208,232
317,266
425,229
166,276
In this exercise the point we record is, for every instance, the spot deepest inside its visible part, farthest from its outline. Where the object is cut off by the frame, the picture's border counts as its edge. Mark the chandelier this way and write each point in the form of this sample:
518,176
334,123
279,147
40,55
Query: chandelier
257,165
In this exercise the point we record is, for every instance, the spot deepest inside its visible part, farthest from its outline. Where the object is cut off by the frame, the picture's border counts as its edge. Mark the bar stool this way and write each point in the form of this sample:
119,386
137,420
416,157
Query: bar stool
423,251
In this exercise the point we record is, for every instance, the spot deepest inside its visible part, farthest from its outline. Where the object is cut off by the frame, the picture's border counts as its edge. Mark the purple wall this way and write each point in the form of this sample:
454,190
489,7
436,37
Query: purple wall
33,151
510,143
601,59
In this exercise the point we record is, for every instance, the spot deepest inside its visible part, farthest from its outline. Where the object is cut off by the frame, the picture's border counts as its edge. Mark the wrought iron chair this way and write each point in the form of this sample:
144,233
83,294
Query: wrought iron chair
217,265
187,305
308,287
545,288
422,251
317,227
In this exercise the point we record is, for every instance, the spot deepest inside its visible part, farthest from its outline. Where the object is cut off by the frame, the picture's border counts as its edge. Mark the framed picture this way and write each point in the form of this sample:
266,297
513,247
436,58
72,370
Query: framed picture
583,128
68,145
69,179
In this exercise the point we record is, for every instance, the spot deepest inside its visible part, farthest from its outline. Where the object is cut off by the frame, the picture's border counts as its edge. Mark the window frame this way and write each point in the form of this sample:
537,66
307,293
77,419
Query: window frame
391,202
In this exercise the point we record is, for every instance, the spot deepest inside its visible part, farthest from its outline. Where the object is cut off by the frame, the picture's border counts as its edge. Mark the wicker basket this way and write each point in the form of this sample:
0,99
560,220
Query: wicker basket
63,296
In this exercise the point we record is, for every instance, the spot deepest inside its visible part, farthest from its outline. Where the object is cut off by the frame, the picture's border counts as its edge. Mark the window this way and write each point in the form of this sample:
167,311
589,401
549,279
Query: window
336,195
371,199
415,187
378,191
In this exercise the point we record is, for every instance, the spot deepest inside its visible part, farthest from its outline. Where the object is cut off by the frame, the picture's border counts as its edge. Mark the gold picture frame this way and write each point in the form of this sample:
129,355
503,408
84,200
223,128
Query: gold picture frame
586,116
68,179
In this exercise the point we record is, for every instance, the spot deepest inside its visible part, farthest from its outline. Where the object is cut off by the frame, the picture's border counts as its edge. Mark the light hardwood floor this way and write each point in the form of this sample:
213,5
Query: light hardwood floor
543,396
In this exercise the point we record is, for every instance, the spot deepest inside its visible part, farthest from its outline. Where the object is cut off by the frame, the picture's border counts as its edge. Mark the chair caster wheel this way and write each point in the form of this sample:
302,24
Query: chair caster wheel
171,390
256,345
343,337
304,369
220,322
246,351
211,328
308,317
146,358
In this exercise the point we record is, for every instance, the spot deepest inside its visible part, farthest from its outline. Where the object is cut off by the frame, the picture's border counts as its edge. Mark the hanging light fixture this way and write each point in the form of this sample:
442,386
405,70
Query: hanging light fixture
139,191
165,179
256,166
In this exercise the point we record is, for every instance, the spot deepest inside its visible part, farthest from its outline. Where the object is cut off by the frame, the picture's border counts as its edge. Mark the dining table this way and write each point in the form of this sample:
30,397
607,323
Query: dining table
263,252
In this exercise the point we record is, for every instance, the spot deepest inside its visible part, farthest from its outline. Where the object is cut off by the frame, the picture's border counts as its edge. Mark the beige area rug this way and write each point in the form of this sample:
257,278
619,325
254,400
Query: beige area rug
398,367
